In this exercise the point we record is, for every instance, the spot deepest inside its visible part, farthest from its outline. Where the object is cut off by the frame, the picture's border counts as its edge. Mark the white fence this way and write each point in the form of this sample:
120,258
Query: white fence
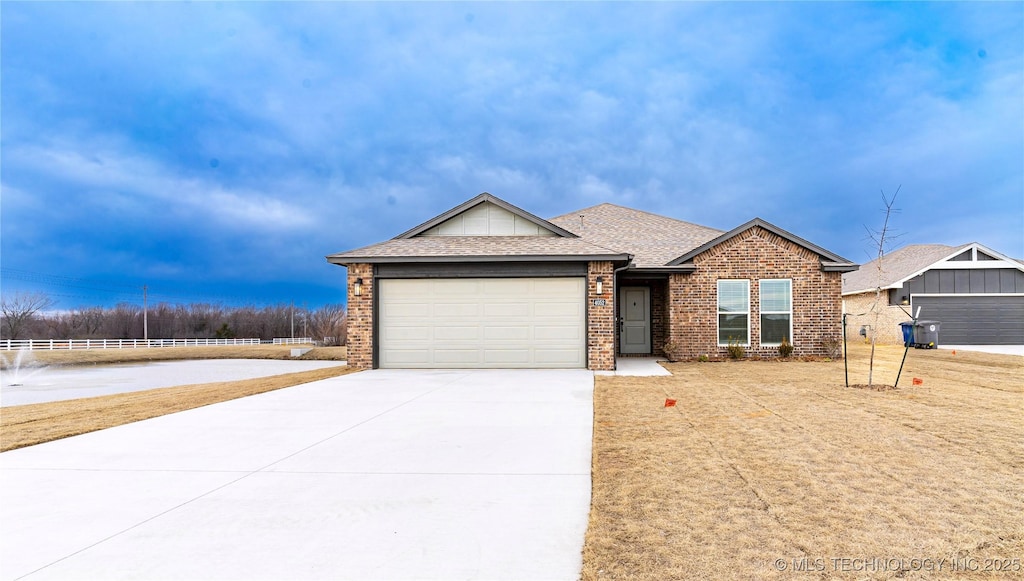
293,341
53,344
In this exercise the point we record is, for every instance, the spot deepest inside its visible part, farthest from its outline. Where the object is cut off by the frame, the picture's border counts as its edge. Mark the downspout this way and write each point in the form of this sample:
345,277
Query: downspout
615,305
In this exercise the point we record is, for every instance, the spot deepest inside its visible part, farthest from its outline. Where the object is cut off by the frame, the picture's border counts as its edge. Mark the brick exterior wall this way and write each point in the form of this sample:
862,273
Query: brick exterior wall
600,320
754,255
360,317
887,331
659,318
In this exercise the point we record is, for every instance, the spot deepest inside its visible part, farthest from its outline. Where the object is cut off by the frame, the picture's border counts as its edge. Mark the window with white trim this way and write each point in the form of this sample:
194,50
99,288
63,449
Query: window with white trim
734,312
776,311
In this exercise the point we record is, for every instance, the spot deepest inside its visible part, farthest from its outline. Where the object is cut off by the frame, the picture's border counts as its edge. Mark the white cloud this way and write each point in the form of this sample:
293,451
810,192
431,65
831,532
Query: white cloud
133,180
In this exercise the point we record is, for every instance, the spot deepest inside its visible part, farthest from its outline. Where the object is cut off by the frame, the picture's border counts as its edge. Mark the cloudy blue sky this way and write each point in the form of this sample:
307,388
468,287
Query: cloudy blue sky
216,151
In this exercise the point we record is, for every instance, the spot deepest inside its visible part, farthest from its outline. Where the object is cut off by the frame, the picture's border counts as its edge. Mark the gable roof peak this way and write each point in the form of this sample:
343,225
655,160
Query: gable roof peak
829,261
908,261
483,198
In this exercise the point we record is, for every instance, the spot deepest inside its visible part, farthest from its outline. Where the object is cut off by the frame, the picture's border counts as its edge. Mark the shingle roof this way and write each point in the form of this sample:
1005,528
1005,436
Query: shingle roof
897,266
477,248
605,232
653,240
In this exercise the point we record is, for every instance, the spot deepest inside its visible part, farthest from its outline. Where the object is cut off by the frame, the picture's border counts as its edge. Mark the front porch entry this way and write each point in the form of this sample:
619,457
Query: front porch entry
634,320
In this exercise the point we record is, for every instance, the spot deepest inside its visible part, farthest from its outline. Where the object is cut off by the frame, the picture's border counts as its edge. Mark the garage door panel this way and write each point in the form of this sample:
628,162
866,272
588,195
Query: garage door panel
532,322
557,333
507,357
410,288
555,286
507,332
557,309
406,333
407,310
406,357
456,310
455,286
448,356
517,309
505,287
457,333
560,357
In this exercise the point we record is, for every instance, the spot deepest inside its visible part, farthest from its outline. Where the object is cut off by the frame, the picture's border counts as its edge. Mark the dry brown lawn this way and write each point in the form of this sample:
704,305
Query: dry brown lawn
765,466
31,424
104,356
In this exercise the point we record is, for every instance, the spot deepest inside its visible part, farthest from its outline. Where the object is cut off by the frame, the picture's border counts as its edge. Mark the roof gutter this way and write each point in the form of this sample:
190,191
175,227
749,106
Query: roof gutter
346,260
839,266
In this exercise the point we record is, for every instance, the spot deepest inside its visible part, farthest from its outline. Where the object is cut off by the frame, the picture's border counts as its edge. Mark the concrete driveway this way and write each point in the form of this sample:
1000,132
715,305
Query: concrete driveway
375,475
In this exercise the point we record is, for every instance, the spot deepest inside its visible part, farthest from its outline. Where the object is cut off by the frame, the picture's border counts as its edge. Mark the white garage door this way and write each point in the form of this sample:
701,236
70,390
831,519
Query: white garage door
482,322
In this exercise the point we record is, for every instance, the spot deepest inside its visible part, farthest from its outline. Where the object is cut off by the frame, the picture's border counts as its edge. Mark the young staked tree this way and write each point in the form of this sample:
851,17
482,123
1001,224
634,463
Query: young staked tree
882,239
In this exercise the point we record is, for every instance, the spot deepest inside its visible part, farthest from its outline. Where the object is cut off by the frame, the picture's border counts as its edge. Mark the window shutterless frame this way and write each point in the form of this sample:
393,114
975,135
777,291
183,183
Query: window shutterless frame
733,312
776,300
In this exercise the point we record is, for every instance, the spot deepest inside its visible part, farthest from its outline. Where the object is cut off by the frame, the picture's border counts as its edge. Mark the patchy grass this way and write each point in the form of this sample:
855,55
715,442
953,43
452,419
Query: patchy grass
31,424
764,466
106,356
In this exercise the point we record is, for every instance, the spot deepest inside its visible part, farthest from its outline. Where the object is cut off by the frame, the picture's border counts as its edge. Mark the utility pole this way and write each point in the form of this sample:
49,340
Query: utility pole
305,315
293,319
145,315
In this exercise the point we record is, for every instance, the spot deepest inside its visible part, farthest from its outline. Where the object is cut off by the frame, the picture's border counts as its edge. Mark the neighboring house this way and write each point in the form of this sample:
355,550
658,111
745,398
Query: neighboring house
976,294
487,284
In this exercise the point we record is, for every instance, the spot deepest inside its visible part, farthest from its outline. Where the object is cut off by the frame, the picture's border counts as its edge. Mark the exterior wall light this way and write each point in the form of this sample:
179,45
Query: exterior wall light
357,288
600,285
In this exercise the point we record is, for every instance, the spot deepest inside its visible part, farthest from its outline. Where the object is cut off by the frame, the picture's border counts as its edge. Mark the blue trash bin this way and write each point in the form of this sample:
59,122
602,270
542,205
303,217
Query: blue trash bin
908,333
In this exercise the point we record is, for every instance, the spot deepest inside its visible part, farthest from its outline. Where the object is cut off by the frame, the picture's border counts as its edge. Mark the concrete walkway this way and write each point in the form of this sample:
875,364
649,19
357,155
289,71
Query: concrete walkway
997,349
375,475
637,366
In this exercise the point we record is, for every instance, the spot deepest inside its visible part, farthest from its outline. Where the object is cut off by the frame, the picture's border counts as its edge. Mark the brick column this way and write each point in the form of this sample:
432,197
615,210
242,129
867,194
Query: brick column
601,319
360,317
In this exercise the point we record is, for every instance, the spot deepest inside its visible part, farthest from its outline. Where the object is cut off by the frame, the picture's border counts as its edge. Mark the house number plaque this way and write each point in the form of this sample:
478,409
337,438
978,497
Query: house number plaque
600,302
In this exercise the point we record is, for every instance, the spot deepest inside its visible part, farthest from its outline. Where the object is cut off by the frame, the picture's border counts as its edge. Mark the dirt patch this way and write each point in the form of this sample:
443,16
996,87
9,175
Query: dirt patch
105,356
27,425
780,471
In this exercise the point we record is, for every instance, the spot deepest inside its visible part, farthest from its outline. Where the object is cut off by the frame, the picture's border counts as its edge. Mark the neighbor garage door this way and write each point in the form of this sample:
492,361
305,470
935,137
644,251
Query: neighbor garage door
975,320
482,322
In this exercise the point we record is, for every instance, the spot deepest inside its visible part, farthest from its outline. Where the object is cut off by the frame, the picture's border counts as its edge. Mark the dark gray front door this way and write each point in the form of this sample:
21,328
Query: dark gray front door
635,319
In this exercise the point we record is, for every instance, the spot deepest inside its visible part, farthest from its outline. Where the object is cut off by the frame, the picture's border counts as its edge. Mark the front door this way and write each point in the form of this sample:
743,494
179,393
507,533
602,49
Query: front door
634,319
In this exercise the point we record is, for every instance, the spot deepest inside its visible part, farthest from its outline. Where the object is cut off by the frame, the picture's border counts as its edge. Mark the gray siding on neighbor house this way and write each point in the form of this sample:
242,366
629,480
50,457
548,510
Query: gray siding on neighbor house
961,281
974,320
481,270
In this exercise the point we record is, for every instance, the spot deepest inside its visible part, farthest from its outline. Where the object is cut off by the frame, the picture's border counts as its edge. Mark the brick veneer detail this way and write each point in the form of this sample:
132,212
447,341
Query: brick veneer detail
754,255
600,320
360,317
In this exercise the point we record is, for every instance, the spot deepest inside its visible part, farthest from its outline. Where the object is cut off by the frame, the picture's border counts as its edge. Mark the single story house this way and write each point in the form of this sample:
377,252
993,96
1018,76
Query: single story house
975,293
488,284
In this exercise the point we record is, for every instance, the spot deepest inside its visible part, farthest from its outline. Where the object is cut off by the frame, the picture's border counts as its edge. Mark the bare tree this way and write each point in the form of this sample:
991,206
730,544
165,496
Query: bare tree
124,321
19,310
882,239
327,324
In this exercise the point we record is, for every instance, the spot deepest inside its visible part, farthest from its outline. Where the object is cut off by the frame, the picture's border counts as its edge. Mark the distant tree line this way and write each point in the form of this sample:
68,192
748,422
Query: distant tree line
25,316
